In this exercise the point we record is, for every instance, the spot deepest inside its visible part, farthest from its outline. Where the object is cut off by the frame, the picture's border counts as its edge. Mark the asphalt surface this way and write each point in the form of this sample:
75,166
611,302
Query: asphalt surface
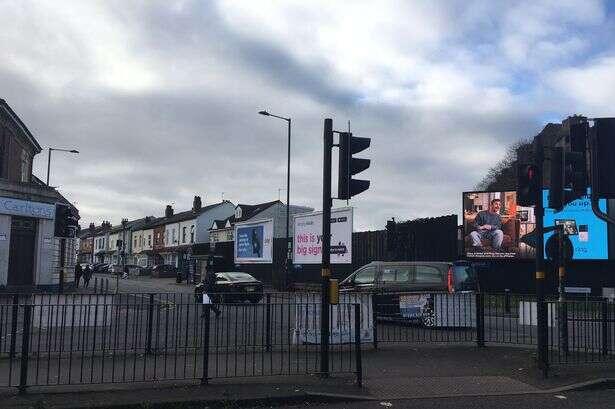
584,399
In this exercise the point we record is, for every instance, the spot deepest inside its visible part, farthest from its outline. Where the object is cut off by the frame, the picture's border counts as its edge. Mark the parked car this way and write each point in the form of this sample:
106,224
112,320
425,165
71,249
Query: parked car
407,290
164,270
233,287
100,268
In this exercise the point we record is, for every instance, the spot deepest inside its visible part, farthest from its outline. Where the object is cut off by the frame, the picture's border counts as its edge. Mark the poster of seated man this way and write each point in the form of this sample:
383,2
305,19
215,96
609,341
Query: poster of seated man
494,226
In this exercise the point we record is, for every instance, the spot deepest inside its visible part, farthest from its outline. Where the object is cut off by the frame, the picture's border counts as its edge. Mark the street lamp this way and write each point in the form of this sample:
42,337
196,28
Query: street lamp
288,240
49,158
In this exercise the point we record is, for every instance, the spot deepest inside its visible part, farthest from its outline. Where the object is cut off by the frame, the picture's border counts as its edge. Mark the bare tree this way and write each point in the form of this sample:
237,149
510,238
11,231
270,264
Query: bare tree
503,175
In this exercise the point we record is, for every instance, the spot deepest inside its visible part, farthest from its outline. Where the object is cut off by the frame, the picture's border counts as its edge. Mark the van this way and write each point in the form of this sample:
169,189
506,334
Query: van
407,290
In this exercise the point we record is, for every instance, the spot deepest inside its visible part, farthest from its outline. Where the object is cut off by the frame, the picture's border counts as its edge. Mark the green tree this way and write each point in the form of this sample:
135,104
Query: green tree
503,176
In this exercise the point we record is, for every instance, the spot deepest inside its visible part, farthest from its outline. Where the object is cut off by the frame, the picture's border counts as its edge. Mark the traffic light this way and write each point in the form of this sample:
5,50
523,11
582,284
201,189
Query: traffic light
568,178
529,186
604,157
66,221
349,165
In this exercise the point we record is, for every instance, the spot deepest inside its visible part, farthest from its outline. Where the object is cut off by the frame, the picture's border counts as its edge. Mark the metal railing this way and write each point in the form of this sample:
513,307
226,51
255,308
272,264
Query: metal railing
77,339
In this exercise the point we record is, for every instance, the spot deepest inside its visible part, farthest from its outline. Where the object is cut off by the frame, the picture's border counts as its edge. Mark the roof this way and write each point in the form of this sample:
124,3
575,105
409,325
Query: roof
26,132
183,216
247,212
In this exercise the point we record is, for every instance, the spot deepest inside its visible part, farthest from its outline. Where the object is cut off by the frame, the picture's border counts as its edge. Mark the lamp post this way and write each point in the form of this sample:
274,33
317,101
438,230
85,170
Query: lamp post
288,240
49,158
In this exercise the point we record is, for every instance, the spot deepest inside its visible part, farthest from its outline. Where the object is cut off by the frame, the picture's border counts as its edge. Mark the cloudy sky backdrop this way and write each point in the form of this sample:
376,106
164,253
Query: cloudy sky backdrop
161,97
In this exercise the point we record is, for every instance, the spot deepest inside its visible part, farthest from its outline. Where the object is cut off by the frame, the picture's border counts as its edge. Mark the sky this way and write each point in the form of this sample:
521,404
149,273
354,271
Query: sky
161,98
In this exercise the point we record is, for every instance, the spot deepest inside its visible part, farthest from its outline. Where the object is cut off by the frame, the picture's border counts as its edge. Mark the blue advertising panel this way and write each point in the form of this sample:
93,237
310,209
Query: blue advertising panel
586,231
250,241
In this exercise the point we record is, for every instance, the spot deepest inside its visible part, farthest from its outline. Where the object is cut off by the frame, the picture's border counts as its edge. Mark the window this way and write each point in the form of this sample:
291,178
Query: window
174,241
25,166
184,234
428,274
149,240
365,276
192,234
135,243
238,213
396,275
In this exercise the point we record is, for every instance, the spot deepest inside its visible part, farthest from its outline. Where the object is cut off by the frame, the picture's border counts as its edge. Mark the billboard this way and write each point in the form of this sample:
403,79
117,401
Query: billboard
587,232
254,242
494,226
307,238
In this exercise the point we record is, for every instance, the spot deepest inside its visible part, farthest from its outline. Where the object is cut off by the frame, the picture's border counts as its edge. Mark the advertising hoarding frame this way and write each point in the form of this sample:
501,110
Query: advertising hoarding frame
522,259
313,239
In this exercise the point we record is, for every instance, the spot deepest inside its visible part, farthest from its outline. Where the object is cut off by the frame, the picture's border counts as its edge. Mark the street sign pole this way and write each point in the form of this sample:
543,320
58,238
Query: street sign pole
540,261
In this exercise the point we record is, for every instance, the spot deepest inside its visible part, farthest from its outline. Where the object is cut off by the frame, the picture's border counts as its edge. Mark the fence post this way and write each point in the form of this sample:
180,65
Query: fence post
95,285
206,325
357,343
268,323
507,301
150,319
563,326
25,348
480,320
605,328
106,286
15,313
374,325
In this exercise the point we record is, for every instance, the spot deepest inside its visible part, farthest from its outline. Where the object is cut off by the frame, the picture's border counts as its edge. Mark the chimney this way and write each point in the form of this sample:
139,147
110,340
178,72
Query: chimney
196,204
168,212
92,226
148,219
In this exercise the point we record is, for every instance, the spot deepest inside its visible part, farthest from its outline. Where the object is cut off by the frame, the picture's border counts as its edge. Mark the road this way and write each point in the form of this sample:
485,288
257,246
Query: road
584,399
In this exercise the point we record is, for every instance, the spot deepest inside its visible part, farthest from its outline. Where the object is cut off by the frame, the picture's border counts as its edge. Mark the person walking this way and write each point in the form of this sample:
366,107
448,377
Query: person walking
78,274
209,287
87,274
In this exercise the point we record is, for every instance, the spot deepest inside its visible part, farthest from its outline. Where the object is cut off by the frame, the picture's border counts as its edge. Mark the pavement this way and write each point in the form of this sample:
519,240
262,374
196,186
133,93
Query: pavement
396,372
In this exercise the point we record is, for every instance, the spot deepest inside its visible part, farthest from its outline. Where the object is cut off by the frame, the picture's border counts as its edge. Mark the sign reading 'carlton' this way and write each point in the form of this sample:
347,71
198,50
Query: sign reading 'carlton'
307,240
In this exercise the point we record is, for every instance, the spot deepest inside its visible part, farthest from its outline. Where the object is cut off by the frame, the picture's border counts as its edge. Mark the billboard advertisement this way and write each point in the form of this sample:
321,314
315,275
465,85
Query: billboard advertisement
307,239
254,242
494,226
587,233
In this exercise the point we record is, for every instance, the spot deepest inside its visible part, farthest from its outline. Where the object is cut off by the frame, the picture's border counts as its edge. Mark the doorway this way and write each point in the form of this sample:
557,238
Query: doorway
21,253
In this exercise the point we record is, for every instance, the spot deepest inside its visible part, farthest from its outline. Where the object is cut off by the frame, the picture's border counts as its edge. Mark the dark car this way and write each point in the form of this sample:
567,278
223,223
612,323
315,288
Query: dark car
164,270
100,268
407,289
233,287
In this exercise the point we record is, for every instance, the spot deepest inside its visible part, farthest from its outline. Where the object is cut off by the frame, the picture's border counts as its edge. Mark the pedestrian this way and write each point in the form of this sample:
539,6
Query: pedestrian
209,287
87,274
78,274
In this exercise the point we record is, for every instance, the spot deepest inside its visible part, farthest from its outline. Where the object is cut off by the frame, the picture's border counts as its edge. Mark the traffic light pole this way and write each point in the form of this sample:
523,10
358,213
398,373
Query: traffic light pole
540,261
326,249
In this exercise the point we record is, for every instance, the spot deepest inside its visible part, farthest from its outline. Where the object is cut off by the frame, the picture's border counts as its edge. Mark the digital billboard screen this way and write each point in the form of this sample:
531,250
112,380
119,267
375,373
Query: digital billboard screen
495,226
588,234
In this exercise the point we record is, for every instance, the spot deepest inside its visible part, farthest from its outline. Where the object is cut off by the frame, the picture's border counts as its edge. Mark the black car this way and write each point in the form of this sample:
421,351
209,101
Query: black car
233,287
164,270
100,268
